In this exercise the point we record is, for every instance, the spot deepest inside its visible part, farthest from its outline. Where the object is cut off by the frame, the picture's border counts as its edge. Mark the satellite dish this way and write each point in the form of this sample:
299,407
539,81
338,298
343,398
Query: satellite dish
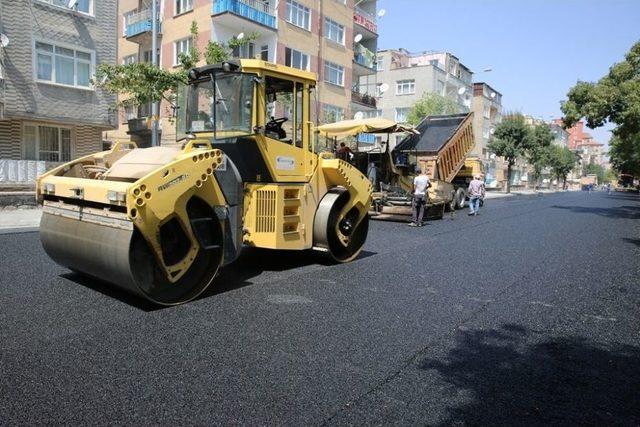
462,90
357,38
384,87
73,4
240,36
493,95
381,13
4,40
492,156
491,131
359,115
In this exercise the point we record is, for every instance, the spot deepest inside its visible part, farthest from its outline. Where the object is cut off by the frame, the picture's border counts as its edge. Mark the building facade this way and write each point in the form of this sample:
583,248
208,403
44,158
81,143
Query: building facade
51,112
407,76
487,113
336,39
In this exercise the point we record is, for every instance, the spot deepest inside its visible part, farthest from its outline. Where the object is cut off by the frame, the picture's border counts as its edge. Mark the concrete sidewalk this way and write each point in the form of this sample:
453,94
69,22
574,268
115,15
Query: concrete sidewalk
501,194
19,219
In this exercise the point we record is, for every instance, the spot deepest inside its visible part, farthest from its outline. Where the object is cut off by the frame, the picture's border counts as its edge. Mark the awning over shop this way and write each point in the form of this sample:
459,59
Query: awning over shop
372,125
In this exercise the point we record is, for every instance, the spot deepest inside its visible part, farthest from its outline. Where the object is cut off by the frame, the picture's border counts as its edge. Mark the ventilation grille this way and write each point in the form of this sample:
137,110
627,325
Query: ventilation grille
266,211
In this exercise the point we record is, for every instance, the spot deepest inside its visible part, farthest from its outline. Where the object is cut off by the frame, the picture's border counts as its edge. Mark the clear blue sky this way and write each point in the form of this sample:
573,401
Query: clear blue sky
537,49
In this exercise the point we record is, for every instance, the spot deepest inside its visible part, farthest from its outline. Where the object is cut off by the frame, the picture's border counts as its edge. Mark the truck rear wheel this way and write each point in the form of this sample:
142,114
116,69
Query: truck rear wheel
461,198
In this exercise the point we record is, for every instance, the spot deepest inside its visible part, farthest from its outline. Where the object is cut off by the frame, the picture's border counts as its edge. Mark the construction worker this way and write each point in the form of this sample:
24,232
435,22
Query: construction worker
419,201
476,193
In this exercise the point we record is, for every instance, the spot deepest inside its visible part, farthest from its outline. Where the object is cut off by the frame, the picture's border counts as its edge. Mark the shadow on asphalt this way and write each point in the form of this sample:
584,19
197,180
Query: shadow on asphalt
560,380
634,241
626,212
251,263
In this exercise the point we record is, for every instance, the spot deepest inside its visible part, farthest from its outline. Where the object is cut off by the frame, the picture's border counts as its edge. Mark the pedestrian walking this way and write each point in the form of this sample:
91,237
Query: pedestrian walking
419,200
476,193
609,188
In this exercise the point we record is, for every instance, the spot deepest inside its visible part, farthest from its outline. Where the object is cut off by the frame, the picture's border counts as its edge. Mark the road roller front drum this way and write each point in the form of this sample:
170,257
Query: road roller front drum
339,236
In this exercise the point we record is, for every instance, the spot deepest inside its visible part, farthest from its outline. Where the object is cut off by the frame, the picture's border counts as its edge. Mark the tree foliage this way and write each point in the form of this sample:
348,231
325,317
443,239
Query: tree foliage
614,98
510,140
431,104
537,149
562,161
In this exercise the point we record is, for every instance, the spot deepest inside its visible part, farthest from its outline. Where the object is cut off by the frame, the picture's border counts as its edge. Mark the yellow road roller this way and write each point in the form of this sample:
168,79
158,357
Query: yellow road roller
160,222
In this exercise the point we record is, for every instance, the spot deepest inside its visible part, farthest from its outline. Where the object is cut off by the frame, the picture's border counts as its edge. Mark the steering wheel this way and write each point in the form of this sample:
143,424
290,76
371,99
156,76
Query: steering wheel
275,126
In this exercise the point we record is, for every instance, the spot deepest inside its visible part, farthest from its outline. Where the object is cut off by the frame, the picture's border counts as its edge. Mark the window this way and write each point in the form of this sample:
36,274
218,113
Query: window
182,6
296,59
379,64
130,112
181,46
486,112
62,65
401,114
371,114
379,90
130,59
245,50
332,113
334,31
264,52
298,15
83,6
440,87
146,56
48,143
405,87
334,73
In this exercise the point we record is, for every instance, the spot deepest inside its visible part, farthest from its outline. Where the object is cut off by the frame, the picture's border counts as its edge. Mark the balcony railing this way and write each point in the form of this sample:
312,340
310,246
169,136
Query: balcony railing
364,56
365,19
254,10
363,98
138,23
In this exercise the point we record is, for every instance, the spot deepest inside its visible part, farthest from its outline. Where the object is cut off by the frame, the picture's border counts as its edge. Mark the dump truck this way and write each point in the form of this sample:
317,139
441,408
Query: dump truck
160,222
440,149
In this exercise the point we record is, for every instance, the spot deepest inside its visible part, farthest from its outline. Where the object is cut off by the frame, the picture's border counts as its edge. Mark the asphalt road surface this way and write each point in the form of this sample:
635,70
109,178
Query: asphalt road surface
526,314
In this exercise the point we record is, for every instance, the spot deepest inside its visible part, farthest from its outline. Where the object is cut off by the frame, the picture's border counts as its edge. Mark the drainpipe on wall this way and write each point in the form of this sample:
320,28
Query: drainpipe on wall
154,62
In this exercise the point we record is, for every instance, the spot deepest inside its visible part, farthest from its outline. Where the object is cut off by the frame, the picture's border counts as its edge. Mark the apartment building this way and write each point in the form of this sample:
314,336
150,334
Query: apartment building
336,39
407,76
487,113
50,111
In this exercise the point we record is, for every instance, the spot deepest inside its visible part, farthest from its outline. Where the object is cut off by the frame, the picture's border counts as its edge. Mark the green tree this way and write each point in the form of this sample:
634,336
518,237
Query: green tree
614,98
537,149
431,104
595,169
562,161
510,140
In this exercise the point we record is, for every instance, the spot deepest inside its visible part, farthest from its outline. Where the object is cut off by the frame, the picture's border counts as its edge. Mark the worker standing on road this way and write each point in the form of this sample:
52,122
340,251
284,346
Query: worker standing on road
372,174
344,152
420,185
476,193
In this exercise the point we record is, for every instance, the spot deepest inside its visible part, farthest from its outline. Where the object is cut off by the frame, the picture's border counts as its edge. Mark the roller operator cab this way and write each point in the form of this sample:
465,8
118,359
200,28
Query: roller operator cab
160,222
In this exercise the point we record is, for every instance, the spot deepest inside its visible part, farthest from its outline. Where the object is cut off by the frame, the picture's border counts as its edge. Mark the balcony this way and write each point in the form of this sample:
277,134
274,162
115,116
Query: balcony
365,20
363,99
254,10
138,26
365,58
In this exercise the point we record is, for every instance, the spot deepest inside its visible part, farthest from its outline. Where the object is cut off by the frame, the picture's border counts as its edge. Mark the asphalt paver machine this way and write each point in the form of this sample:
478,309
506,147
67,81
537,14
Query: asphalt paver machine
160,222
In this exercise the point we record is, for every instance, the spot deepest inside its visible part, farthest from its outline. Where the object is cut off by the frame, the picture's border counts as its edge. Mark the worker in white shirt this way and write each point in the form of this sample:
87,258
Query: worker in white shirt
418,203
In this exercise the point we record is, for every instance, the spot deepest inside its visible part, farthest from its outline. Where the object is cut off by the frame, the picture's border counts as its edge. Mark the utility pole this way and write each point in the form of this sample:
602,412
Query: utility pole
154,62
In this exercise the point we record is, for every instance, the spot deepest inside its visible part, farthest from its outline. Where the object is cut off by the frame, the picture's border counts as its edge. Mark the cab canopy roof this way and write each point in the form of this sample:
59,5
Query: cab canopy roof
372,125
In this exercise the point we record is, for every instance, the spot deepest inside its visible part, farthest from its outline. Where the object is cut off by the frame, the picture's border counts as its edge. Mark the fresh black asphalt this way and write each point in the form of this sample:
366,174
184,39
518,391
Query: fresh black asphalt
527,314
